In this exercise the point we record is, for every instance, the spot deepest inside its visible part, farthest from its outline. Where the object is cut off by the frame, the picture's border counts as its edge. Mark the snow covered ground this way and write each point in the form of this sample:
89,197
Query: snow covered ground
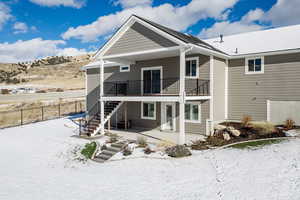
34,165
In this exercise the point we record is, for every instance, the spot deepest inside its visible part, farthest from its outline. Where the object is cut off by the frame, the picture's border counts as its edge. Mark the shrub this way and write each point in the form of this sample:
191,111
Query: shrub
148,150
178,151
4,91
263,128
89,150
289,124
141,141
199,145
127,151
215,141
246,121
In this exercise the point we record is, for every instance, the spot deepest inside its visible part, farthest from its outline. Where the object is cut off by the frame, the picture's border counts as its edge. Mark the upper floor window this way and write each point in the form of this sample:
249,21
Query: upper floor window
254,65
191,67
125,68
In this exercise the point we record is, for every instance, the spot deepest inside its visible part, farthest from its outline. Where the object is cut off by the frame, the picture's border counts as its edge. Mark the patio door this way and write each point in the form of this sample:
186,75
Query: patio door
168,116
151,80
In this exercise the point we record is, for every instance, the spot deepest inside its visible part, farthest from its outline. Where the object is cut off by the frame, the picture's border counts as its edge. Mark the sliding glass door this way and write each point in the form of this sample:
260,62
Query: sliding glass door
151,81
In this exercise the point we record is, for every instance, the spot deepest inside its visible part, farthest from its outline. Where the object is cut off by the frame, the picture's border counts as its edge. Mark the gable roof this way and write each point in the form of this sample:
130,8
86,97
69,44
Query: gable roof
181,36
177,36
257,42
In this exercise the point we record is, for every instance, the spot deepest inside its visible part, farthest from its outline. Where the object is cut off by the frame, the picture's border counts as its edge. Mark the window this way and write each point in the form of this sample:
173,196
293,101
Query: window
254,65
148,110
192,113
125,68
191,67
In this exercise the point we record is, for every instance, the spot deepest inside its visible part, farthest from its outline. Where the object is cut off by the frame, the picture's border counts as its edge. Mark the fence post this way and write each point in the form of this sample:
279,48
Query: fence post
42,113
79,127
75,106
59,110
21,116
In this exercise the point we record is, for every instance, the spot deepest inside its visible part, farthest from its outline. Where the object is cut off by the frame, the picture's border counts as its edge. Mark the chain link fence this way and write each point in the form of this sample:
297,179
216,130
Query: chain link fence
29,115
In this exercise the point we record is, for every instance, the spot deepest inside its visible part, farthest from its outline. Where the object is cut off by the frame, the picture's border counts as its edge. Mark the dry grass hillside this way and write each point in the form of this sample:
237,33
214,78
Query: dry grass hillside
52,72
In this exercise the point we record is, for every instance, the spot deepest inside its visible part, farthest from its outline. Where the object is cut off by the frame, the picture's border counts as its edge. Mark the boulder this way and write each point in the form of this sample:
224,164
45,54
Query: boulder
219,127
178,151
226,136
235,133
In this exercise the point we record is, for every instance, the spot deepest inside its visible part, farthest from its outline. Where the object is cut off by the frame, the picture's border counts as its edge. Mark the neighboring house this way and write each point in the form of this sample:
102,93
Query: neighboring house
151,77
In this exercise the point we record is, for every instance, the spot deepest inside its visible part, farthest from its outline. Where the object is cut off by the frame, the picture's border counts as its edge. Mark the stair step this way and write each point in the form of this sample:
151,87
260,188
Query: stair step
107,152
100,160
103,156
114,149
117,145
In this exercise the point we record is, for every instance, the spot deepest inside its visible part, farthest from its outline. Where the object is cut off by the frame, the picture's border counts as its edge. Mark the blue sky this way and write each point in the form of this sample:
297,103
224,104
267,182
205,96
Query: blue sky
32,29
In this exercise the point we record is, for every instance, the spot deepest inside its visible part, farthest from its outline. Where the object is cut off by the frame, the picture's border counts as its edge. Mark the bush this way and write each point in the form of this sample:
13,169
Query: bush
289,124
178,151
148,150
215,141
89,150
127,151
142,142
263,128
4,91
246,121
199,145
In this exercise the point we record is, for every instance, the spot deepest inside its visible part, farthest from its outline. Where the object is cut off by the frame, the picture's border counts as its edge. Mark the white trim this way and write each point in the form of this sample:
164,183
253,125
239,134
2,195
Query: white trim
194,98
197,68
163,115
142,111
211,87
254,58
226,90
268,53
125,70
151,68
143,98
268,110
199,121
142,52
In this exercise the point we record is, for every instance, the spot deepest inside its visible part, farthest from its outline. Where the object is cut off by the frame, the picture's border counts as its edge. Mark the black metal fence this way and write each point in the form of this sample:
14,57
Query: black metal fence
167,86
35,114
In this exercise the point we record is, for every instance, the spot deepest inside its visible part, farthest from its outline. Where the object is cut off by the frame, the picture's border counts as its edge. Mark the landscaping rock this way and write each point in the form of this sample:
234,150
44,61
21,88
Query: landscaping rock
226,136
219,127
235,133
178,151
291,133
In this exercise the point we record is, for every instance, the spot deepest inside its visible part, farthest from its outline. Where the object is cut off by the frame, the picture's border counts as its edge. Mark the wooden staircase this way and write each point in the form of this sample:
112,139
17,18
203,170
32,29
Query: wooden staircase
93,126
109,152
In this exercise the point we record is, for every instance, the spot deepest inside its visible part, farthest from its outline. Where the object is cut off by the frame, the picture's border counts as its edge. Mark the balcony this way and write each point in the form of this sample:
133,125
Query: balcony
158,87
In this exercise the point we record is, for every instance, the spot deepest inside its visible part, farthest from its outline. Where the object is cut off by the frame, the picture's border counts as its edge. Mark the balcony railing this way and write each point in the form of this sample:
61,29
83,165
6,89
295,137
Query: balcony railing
165,87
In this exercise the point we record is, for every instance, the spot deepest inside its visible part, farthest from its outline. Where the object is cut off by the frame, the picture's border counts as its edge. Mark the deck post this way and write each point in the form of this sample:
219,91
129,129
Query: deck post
181,137
125,113
101,97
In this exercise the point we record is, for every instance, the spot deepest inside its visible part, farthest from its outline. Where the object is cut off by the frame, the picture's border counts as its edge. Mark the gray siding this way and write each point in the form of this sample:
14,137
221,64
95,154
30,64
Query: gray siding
248,93
219,89
139,38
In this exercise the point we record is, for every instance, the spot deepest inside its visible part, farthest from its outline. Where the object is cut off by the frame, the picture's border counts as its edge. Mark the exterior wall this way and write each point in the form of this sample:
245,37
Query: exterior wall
248,94
139,38
219,89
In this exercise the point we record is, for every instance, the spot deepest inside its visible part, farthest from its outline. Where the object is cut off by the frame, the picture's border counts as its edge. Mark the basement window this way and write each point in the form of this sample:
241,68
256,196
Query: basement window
148,110
125,68
254,65
192,113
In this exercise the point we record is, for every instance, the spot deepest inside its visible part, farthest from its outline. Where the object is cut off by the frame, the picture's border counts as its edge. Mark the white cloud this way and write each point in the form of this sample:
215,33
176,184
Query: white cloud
67,3
177,17
34,49
284,12
132,3
20,27
246,24
4,14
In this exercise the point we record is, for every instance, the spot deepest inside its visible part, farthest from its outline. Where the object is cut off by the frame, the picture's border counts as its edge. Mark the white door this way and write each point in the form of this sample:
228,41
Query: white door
168,116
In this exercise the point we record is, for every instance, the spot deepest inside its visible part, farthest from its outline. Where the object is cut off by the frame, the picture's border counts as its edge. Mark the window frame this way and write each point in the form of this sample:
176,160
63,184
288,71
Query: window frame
142,111
197,67
199,113
255,58
126,70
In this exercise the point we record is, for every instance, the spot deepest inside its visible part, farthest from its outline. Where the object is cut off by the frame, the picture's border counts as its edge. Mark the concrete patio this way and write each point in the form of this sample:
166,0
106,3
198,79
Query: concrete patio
155,136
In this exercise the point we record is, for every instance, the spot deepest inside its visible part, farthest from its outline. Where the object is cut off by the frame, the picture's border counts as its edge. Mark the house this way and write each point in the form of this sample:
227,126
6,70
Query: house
152,77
